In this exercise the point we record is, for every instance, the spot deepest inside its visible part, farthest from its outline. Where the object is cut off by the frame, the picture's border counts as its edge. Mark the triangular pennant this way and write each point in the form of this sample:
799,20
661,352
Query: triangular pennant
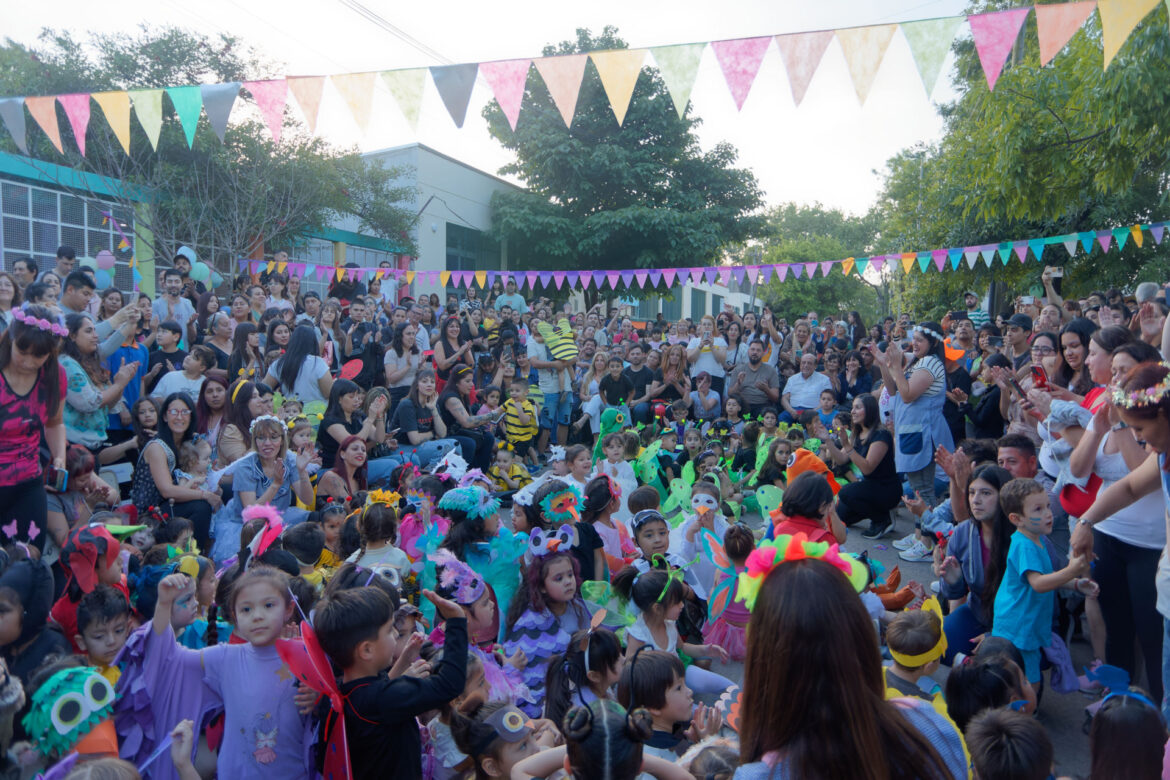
678,66
12,112
116,107
641,277
740,59
939,256
781,272
766,272
1136,232
270,97
357,90
864,49
696,275
572,277
1021,250
1104,238
530,278
847,265
795,268
972,256
709,275
559,278
546,279
307,91
877,263
1056,24
1005,252
1070,246
77,112
619,71
995,34
1121,235
862,264
455,83
1157,231
407,88
923,261
955,255
44,110
738,274
218,100
628,279
187,101
725,276
668,275
409,276
444,277
507,80
481,279
1087,241
612,278
562,77
433,276
1036,246
802,54
929,41
826,266
148,108
655,278
598,279
1118,18
908,261
586,280
491,278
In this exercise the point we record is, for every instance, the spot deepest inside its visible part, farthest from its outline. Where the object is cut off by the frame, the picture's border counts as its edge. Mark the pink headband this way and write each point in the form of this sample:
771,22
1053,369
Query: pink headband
40,324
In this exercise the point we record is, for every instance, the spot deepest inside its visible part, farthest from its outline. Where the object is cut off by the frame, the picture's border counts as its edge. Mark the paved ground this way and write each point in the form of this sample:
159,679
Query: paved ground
1062,716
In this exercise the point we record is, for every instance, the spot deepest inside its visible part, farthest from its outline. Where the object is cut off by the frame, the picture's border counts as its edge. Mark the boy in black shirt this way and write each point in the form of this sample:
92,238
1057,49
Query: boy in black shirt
356,629
166,356
615,387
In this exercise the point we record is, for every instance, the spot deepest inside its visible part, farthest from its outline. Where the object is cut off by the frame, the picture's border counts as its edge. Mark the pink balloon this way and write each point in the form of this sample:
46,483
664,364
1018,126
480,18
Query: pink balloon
105,259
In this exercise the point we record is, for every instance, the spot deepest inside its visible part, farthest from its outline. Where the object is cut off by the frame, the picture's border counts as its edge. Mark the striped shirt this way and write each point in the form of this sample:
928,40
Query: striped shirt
513,430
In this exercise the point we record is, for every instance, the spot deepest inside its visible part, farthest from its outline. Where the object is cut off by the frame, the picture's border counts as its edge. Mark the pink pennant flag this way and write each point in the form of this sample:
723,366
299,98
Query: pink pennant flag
613,277
352,274
826,266
740,60
641,277
572,277
877,262
1021,250
321,270
562,77
559,278
530,277
725,276
802,54
781,271
995,33
507,80
668,275
77,112
1104,238
586,280
270,97
1056,24
810,270
696,275
939,256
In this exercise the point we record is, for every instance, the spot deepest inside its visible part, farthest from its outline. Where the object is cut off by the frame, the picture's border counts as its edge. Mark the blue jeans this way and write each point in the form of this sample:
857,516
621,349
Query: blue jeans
557,409
786,416
961,626
378,470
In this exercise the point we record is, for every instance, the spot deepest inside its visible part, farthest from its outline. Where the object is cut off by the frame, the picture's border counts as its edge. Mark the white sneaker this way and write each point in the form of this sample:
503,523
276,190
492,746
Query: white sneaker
906,542
916,554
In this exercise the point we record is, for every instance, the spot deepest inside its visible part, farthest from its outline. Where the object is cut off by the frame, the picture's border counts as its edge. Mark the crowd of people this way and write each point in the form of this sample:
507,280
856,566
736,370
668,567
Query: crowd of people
267,532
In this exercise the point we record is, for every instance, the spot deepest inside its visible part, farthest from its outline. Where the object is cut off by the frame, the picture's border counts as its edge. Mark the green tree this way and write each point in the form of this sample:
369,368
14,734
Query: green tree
602,196
1053,150
232,197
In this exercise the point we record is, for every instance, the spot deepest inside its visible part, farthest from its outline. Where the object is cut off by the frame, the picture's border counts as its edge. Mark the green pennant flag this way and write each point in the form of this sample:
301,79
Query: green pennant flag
678,66
923,261
1005,253
1122,235
930,40
187,102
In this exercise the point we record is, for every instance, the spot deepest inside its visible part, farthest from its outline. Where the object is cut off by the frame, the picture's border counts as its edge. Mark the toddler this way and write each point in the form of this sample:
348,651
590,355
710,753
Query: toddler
586,672
195,465
507,475
655,680
520,415
379,530
618,469
290,409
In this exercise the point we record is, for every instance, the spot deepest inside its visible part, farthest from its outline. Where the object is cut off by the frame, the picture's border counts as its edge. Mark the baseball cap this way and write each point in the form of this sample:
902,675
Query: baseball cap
1020,321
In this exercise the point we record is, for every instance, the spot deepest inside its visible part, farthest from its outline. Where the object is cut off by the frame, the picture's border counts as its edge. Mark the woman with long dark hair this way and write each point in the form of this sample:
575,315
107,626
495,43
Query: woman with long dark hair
300,371
869,447
343,418
90,391
420,426
243,405
1073,375
32,400
473,432
211,408
401,362
348,474
197,327
452,349
247,361
332,339
856,326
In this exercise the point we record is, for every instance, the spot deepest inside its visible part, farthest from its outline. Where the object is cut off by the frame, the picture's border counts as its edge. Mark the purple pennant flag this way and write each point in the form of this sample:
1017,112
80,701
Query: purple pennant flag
797,269
628,279
1021,250
939,256
545,278
559,278
781,271
598,279
1157,231
826,266
738,274
709,275
656,277
668,275
243,264
766,272
531,278
613,277
1104,238
641,277
876,262
491,278
572,277
724,276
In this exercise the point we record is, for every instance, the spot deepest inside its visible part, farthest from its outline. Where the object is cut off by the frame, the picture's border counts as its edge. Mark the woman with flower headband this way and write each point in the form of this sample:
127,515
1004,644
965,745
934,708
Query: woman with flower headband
32,399
270,474
814,700
243,406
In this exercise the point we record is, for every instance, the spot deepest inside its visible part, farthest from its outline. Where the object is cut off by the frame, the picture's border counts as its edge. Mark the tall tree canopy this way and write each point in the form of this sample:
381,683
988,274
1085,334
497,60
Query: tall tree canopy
602,195
231,196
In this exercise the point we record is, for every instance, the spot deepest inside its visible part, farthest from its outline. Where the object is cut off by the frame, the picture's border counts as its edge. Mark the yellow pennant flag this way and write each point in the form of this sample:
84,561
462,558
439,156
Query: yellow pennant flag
619,71
357,89
281,266
340,273
410,277
444,277
122,244
847,265
116,107
1136,232
1118,18
864,49
270,266
908,261
481,279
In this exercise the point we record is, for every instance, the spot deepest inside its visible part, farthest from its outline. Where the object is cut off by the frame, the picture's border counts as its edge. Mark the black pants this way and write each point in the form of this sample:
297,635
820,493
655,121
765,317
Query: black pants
199,513
24,505
1128,602
867,499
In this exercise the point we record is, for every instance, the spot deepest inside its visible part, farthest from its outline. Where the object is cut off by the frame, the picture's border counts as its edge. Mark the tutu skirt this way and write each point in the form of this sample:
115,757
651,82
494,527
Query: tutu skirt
731,638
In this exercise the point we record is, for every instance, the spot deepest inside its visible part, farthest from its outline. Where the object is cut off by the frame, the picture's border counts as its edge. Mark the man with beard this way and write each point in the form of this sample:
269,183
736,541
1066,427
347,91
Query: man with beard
756,382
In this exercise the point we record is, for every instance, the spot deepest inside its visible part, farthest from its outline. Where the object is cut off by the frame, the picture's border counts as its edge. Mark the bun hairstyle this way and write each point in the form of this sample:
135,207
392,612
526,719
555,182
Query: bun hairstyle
604,742
646,589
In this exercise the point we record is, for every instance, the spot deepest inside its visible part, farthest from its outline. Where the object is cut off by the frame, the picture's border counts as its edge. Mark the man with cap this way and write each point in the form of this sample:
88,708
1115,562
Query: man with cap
1015,343
182,262
978,316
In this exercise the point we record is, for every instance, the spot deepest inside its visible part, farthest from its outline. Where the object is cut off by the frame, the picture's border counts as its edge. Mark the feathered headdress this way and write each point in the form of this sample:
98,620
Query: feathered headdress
561,506
473,501
271,531
377,496
452,464
542,543
785,548
457,578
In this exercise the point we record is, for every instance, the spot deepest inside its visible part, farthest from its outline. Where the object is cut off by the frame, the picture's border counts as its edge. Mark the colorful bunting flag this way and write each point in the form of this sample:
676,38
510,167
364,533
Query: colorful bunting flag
619,71
929,41
1118,18
1057,23
187,102
77,112
740,60
44,110
12,112
407,88
562,77
864,49
454,83
270,97
218,100
357,90
507,80
307,91
116,107
847,265
802,53
995,34
148,108
678,66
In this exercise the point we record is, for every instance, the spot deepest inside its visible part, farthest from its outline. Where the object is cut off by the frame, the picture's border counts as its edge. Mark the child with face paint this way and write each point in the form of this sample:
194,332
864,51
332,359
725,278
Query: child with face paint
705,513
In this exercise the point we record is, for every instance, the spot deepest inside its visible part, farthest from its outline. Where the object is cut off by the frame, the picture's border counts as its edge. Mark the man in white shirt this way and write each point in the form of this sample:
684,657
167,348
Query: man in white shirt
188,379
171,306
802,392
558,405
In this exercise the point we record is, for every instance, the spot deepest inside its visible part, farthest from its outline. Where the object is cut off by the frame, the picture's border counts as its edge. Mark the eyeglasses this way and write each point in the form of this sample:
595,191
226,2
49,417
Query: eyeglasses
1042,349
179,412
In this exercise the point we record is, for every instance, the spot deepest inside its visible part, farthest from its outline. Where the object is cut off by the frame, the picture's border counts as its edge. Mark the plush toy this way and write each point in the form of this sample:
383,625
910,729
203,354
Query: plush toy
72,711
612,420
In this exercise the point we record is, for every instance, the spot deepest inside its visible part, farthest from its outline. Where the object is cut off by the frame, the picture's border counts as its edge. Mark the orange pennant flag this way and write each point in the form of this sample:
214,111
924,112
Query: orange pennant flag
444,277
44,110
1118,18
562,76
1056,24
908,261
409,277
481,279
847,265
619,71
307,91
340,273
1136,232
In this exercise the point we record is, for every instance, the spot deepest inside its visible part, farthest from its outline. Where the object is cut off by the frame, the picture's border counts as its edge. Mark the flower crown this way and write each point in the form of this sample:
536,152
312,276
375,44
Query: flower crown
263,417
1147,397
785,548
457,577
472,500
40,323
376,496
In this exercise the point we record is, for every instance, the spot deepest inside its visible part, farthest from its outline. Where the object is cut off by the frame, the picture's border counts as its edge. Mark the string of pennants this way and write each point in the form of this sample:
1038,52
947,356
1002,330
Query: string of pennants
739,59
1108,240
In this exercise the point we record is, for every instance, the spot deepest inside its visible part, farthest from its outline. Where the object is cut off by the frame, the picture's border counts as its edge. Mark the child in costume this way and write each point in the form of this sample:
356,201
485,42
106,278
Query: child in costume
545,613
602,499
808,508
616,467
506,473
727,618
305,542
520,427
379,529
103,625
586,672
498,737
656,598
422,496
88,699
917,643
556,504
580,466
90,557
26,593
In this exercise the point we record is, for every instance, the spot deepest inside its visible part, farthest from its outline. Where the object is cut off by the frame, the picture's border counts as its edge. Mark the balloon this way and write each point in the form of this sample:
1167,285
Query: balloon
88,262
216,279
103,279
105,259
200,272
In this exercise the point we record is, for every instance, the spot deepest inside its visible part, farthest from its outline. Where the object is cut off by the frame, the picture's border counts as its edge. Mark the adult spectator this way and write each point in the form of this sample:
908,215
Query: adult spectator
470,300
9,299
640,377
1019,330
257,304
419,424
247,361
181,262
154,483
90,390
706,352
240,310
32,399
348,474
798,343
553,380
917,398
24,271
66,255
328,324
300,372
205,307
308,308
211,409
344,418
978,316
756,382
854,381
422,337
112,332
189,377
868,447
471,431
984,420
244,405
512,299
452,349
802,392
1072,374
401,361
219,339
671,382
171,306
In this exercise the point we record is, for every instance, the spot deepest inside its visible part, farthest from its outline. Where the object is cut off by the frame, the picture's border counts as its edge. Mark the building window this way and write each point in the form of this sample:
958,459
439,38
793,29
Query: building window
716,303
469,250
672,308
698,304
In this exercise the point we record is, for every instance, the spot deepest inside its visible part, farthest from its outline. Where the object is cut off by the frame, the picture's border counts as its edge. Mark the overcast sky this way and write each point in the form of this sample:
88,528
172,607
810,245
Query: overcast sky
829,150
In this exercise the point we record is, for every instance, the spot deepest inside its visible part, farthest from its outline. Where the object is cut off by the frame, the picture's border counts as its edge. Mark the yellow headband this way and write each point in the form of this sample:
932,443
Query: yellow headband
236,392
939,649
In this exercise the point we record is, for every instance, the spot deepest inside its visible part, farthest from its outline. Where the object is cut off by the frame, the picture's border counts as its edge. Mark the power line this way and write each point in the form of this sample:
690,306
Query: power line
394,30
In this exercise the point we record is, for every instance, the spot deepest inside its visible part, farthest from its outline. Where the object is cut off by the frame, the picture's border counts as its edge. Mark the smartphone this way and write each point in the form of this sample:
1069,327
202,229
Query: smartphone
1016,386
995,341
56,479
957,315
1027,299
1057,272
1039,377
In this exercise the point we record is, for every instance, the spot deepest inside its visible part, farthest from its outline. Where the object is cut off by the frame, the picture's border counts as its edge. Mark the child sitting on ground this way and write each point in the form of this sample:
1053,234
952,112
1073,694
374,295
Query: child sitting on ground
103,625
306,541
379,530
655,680
506,473
1006,743
917,643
